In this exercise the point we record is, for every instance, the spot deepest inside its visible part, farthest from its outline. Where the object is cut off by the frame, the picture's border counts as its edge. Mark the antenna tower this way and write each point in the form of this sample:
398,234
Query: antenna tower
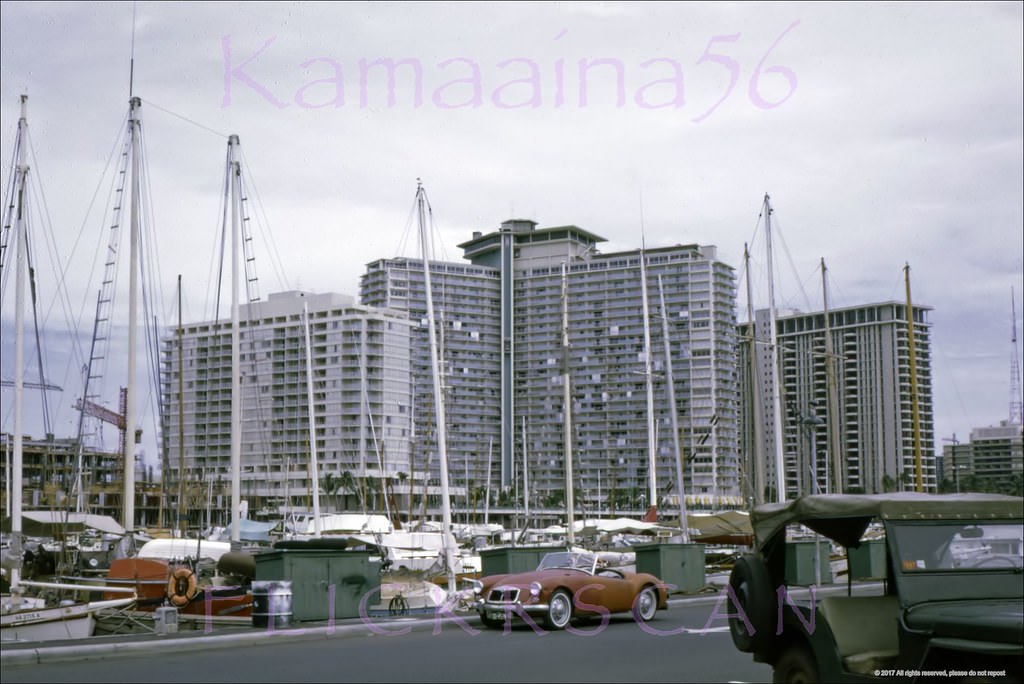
1016,402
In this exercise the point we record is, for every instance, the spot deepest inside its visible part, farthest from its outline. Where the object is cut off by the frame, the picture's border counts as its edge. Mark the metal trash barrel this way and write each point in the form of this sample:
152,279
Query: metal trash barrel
165,620
271,603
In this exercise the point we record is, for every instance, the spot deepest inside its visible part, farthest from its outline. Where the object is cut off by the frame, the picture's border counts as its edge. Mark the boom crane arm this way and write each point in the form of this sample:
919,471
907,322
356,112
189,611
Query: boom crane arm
91,408
95,410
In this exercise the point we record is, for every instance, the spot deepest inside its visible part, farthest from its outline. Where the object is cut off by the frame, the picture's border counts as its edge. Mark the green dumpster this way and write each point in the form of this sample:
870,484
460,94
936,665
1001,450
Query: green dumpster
326,584
509,560
867,561
680,566
800,568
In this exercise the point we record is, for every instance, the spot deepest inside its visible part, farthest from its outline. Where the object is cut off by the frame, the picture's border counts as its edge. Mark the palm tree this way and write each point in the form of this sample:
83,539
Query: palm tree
348,483
327,483
402,477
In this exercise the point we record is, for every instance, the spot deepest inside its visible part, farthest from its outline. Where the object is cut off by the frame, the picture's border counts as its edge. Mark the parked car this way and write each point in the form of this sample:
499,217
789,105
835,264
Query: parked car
568,585
950,605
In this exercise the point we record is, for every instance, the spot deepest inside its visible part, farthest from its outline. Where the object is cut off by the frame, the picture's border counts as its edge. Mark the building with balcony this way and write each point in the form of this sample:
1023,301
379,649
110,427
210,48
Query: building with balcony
505,314
854,427
361,403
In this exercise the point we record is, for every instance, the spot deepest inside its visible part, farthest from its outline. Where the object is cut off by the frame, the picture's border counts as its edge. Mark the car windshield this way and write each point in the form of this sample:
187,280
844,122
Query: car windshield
954,546
584,562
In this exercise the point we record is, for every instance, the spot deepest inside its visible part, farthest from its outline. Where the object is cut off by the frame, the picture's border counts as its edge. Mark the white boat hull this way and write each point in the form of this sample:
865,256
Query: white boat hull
75,621
48,624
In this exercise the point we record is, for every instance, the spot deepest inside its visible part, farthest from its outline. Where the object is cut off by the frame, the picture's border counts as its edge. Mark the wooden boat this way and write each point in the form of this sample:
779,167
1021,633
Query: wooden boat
162,582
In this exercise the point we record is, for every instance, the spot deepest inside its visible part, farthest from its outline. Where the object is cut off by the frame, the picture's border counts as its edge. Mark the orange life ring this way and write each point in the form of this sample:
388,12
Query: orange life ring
181,587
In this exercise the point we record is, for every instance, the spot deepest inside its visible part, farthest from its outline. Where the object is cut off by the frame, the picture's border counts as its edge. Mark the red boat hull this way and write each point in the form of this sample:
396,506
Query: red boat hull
150,576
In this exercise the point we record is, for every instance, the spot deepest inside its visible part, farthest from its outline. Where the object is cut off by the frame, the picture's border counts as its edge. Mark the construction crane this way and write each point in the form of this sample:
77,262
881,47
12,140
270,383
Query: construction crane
106,415
33,385
46,387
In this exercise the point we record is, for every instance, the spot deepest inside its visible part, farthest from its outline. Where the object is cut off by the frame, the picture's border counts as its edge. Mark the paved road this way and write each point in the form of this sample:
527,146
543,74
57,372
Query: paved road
685,643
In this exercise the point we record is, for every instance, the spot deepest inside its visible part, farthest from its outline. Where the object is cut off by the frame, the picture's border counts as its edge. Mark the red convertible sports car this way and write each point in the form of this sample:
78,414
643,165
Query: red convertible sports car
568,585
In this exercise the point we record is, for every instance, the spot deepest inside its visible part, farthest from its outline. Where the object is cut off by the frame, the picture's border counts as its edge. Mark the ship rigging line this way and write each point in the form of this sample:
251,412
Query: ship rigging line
223,136
264,224
789,257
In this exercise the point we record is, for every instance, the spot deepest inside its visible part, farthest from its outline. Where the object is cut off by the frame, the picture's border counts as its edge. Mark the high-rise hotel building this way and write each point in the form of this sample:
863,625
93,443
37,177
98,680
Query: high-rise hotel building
504,315
855,426
359,365
526,308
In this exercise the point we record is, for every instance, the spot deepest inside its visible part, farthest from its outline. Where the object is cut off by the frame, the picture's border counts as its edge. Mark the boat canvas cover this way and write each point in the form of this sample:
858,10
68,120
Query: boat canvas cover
843,518
248,530
408,542
618,526
52,523
352,523
723,524
180,549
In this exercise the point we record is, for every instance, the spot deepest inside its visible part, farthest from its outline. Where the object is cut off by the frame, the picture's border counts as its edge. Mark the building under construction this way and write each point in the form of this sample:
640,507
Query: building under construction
49,474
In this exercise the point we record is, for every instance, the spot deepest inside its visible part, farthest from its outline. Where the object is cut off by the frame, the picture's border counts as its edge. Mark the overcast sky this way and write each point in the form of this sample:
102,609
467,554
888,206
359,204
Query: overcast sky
886,134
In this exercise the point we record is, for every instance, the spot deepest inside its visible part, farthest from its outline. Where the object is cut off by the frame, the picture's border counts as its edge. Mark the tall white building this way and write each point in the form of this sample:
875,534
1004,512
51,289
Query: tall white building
362,400
866,442
504,364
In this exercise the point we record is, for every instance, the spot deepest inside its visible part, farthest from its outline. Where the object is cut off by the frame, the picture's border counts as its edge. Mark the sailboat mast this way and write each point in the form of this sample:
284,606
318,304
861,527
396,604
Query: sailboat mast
487,495
567,401
674,415
652,476
780,474
135,124
442,437
914,410
526,482
755,391
833,399
314,472
21,243
181,514
235,178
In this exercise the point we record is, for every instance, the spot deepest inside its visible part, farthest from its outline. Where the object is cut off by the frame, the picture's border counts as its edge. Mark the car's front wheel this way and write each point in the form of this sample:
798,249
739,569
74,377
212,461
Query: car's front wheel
559,610
795,666
646,604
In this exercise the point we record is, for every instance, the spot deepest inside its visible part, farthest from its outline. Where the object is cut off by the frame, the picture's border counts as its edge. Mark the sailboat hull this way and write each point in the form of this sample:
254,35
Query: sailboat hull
52,623
47,624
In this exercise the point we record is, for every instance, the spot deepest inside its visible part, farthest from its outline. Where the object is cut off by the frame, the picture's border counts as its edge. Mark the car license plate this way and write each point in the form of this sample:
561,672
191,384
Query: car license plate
496,615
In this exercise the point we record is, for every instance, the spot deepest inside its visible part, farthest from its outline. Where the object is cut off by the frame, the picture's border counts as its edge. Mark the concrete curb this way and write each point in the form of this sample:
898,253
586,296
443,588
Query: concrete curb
14,654
148,643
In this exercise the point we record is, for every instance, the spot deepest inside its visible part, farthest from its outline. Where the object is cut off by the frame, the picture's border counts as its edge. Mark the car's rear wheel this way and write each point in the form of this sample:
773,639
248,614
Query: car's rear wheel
795,666
646,604
559,610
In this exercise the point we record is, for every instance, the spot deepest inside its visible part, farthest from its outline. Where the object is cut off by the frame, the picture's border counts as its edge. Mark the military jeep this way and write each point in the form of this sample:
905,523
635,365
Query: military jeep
947,603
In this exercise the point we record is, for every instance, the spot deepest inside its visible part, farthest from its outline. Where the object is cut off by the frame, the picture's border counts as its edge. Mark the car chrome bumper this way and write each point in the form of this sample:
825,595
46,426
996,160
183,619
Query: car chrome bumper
498,610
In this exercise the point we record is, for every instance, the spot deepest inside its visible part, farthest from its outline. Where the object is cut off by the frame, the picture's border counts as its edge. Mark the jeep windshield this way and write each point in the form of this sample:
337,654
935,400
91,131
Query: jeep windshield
941,546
